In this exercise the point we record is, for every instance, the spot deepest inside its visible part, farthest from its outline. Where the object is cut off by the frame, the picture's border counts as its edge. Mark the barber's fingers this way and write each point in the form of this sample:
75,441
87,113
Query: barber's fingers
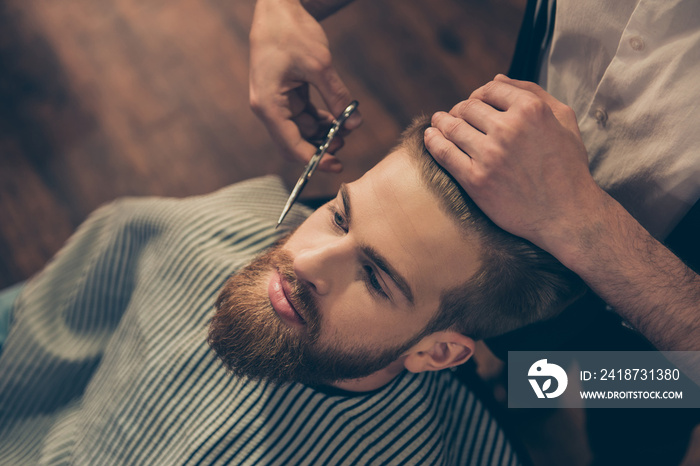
308,125
335,94
529,87
459,132
291,142
286,135
330,162
476,113
298,99
500,95
451,156
315,131
313,124
277,111
296,125
562,112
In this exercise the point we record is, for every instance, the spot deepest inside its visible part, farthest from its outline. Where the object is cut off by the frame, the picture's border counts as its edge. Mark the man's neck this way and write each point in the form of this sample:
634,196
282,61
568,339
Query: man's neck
373,381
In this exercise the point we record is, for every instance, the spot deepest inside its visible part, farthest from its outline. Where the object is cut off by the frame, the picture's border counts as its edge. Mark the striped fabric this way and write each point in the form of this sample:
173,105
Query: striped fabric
106,361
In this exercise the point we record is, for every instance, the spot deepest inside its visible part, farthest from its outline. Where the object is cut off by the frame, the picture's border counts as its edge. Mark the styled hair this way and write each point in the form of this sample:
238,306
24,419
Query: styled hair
517,283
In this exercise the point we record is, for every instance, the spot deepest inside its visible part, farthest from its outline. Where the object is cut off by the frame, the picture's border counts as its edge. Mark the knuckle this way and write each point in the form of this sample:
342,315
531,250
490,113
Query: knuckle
260,103
533,107
463,107
505,134
484,90
493,153
320,63
503,127
479,179
255,104
568,112
451,128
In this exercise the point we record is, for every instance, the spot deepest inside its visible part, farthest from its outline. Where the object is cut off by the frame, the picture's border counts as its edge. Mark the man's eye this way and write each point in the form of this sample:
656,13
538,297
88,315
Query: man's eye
339,220
373,281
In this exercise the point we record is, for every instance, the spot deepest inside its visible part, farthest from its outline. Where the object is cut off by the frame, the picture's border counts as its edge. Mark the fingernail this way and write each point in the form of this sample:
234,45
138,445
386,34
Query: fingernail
429,131
353,121
333,165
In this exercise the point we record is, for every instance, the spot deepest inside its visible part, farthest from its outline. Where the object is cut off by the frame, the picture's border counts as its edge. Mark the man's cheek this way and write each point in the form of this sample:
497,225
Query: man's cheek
347,318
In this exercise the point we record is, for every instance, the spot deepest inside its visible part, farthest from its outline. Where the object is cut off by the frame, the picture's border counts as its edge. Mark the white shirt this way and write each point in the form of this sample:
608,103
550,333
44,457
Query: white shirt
630,69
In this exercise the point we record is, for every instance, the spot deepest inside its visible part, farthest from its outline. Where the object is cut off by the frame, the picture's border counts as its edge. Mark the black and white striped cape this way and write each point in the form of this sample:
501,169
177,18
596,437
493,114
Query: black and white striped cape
106,361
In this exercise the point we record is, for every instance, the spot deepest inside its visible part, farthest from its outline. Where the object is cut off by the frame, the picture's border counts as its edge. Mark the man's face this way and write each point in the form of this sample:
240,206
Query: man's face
352,289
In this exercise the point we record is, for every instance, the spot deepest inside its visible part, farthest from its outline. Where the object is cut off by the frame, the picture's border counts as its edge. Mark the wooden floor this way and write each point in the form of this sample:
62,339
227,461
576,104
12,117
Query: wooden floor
101,99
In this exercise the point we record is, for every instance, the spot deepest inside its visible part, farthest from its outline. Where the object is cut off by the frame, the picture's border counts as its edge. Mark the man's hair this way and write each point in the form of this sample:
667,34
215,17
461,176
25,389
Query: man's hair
517,283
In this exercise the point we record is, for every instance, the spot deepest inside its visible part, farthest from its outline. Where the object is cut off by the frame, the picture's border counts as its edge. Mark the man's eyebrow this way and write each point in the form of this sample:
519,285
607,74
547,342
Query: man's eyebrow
373,255
345,196
395,276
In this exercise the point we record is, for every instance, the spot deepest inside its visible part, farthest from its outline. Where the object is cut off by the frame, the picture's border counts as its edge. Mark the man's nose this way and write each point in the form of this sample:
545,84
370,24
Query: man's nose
322,266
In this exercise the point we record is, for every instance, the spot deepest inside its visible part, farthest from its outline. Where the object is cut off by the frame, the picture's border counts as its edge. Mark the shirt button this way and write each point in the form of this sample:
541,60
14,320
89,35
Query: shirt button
637,43
601,116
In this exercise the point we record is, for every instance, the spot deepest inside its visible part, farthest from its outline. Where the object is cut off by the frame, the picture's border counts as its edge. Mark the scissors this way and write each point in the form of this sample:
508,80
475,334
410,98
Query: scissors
316,158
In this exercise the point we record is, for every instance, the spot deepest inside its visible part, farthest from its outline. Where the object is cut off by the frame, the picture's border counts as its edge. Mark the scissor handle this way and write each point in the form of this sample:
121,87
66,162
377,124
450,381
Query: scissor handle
347,112
337,124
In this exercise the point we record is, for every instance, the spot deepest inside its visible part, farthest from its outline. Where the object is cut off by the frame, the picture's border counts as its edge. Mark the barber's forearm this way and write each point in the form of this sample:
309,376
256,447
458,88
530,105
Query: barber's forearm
636,275
321,9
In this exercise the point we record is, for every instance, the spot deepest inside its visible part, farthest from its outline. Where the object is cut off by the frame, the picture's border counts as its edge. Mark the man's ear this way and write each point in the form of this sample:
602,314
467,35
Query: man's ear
439,350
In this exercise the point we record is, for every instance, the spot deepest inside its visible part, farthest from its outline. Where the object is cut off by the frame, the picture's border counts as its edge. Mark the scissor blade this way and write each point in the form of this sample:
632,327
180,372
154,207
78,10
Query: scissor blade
301,182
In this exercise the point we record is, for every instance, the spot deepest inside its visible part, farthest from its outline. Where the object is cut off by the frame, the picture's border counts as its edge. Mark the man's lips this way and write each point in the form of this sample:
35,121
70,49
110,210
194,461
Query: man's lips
279,292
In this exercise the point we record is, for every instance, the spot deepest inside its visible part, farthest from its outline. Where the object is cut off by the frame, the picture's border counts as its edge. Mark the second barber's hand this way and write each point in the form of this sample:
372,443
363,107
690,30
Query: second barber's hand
518,153
288,52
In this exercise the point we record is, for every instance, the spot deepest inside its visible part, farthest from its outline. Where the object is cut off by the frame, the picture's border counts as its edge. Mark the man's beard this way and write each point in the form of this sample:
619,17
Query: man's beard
251,339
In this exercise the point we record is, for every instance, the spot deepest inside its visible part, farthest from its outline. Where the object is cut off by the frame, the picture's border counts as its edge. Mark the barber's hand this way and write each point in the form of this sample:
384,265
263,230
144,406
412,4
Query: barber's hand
518,152
288,52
